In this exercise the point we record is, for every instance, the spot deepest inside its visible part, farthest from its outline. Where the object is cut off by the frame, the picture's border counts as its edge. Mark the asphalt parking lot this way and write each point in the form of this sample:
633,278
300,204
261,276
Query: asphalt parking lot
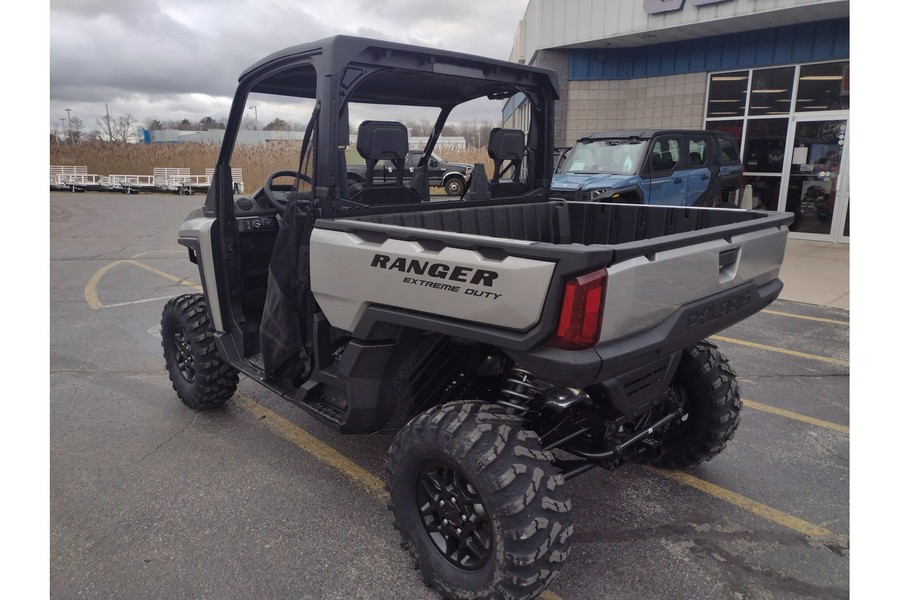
151,500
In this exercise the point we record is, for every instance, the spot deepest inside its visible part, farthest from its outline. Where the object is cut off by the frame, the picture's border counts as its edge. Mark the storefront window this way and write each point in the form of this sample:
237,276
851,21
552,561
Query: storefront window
824,86
734,127
764,190
771,91
727,94
756,107
815,172
764,146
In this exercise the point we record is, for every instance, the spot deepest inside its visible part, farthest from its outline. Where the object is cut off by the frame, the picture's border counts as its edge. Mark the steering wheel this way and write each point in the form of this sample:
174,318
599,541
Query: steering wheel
279,203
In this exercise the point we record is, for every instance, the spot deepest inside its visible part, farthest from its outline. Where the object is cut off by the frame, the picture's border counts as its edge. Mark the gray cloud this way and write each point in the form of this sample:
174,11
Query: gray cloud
173,59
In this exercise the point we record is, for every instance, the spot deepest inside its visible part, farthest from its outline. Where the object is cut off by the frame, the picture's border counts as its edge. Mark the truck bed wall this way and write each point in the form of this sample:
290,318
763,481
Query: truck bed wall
557,222
536,222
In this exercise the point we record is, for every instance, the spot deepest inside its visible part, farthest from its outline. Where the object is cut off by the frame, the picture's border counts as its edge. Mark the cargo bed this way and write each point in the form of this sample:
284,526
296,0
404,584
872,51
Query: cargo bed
658,259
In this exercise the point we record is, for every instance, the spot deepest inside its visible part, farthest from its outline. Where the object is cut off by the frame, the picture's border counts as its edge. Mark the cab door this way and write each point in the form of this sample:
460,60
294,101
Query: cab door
412,161
698,171
668,184
436,170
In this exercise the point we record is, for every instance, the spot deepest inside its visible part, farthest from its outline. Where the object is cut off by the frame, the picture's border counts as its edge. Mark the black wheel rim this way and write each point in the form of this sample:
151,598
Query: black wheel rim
454,516
184,357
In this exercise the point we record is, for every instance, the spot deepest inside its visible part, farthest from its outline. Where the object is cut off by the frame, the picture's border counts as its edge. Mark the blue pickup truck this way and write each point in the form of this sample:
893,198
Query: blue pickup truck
658,166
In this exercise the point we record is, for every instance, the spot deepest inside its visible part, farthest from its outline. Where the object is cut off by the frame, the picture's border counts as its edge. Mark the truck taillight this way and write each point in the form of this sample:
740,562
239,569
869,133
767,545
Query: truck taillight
581,314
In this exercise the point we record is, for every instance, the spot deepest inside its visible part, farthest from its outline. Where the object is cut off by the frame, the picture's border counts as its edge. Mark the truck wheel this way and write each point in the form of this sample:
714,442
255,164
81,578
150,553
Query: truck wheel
708,387
478,503
454,186
200,377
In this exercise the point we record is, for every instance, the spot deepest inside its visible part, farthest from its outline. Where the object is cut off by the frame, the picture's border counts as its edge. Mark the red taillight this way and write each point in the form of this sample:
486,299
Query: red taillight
581,314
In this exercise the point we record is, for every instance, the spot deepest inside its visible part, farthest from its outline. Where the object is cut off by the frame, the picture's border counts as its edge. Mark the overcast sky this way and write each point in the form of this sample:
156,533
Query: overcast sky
175,59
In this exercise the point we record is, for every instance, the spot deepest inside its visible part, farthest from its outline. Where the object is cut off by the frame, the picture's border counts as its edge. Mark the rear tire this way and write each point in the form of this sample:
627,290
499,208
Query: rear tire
478,503
708,388
199,376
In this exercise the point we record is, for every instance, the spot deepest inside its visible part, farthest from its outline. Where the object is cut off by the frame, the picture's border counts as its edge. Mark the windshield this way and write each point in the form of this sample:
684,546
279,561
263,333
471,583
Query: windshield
613,156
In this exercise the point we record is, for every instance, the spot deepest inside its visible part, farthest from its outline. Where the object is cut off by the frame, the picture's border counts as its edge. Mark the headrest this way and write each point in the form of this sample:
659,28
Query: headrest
382,140
506,144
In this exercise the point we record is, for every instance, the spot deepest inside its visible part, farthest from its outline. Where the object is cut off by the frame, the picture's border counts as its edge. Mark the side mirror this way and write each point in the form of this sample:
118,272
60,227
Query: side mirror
432,163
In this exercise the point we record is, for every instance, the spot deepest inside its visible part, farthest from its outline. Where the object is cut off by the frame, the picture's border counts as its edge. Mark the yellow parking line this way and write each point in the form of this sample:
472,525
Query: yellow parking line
314,446
90,289
827,359
328,455
375,487
804,317
761,510
796,416
168,276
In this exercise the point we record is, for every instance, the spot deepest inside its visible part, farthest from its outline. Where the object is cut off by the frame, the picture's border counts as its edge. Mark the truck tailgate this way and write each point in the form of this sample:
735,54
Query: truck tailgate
644,290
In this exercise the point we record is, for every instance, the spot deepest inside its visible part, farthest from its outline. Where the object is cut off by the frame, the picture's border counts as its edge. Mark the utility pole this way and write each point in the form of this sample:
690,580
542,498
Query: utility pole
108,124
63,121
69,114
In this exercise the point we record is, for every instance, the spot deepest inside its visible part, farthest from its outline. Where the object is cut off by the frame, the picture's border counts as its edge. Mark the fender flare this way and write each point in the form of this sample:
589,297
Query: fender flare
613,195
449,174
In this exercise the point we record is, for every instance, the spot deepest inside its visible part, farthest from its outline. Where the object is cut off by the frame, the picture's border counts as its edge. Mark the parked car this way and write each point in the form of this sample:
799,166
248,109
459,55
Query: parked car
671,167
449,175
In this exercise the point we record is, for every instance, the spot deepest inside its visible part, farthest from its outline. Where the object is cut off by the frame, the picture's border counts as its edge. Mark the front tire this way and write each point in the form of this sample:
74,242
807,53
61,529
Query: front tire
454,186
478,503
200,377
707,387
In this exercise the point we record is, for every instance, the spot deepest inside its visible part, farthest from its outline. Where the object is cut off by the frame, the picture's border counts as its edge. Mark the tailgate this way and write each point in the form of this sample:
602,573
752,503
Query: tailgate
642,291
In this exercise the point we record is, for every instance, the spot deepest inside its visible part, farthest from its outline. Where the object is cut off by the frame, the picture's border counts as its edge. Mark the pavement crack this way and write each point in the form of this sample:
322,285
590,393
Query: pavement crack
172,437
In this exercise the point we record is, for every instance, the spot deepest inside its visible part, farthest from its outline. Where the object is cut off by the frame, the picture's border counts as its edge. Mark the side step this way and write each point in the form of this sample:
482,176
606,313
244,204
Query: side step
325,412
310,397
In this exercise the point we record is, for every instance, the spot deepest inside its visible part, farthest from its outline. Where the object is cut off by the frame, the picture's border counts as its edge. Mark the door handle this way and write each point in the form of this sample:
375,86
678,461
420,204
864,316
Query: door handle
677,180
704,177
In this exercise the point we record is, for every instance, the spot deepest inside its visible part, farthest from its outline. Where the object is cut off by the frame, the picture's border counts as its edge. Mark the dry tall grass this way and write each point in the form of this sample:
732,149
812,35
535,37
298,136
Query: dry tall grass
255,160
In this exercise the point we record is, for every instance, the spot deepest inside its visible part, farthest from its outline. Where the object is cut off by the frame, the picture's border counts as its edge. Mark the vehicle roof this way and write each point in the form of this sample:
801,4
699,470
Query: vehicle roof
411,75
645,134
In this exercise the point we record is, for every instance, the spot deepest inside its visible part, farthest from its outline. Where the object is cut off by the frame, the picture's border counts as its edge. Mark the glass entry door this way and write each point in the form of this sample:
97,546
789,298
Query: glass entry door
816,191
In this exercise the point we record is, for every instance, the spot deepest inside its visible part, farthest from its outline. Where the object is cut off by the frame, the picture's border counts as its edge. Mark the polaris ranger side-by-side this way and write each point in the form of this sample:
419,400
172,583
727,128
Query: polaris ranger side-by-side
511,339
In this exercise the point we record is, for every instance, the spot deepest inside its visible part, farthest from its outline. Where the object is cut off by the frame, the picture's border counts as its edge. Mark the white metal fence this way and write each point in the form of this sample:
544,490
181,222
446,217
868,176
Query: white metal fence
176,180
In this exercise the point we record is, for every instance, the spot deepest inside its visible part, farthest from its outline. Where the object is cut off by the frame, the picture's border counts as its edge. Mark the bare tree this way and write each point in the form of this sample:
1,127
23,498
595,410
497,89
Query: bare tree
105,123
124,129
116,129
76,129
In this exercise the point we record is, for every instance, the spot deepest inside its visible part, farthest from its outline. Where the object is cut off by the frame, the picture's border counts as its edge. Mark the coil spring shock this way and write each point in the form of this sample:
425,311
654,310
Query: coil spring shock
520,389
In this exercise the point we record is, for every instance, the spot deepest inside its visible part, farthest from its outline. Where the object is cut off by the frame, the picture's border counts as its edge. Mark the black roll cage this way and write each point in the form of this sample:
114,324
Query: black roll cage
334,70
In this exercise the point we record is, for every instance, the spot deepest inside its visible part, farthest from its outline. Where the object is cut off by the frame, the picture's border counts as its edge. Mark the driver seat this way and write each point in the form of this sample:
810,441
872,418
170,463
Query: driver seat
382,140
507,145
